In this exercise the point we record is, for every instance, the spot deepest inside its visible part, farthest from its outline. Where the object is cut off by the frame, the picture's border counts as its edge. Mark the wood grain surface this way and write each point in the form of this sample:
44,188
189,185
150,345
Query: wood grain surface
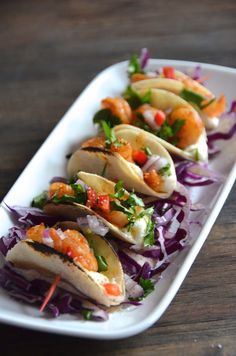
49,51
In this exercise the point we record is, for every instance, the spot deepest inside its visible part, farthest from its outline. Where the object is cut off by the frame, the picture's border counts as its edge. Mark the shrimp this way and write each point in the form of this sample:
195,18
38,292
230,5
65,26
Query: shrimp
116,217
97,141
73,244
153,180
139,76
60,189
120,146
216,108
119,108
192,129
124,149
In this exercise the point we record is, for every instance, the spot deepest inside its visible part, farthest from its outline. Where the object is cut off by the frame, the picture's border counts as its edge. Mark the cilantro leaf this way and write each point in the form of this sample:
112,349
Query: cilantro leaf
177,125
147,285
149,238
133,200
165,171
64,199
40,200
107,116
109,134
117,205
102,263
134,99
134,65
103,173
87,314
147,151
192,97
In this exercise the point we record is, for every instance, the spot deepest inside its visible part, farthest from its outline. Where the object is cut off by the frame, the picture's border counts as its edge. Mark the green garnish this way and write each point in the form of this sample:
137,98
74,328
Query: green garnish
147,285
40,200
87,314
192,97
102,263
147,151
109,134
139,122
107,116
104,170
80,197
128,206
196,155
134,99
168,132
203,106
134,65
64,199
165,171
149,237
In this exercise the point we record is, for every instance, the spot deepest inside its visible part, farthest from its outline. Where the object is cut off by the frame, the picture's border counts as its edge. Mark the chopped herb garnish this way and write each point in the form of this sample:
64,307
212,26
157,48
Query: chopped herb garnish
168,132
203,106
133,200
196,155
103,173
102,263
107,116
147,285
192,97
64,199
147,151
134,65
80,197
134,99
87,314
40,200
139,122
73,179
149,238
110,135
165,171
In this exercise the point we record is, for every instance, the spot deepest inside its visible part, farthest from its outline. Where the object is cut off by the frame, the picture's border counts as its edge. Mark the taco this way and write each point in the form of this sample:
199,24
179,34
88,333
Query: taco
136,158
103,206
197,95
87,266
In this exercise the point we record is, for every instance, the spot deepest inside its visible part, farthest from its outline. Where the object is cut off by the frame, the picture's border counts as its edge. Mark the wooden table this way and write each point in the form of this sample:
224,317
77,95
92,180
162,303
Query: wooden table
49,52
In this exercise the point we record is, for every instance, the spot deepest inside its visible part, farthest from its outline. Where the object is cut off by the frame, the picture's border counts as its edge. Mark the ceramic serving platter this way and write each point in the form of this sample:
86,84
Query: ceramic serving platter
50,160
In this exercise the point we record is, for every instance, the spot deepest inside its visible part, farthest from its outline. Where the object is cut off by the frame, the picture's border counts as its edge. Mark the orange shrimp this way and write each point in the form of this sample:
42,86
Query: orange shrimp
139,76
216,108
60,189
74,244
116,217
192,128
153,180
97,141
124,149
119,108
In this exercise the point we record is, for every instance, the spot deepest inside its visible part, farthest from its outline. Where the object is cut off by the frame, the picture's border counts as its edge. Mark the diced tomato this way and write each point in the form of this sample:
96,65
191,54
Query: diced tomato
103,203
91,198
140,157
160,117
169,72
112,289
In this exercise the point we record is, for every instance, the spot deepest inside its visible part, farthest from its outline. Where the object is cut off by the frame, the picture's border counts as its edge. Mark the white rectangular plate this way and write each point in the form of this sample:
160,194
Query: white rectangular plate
50,161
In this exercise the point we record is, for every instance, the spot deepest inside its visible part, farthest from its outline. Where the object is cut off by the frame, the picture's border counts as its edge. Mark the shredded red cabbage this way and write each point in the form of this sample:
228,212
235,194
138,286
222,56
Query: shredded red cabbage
27,216
144,58
34,293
